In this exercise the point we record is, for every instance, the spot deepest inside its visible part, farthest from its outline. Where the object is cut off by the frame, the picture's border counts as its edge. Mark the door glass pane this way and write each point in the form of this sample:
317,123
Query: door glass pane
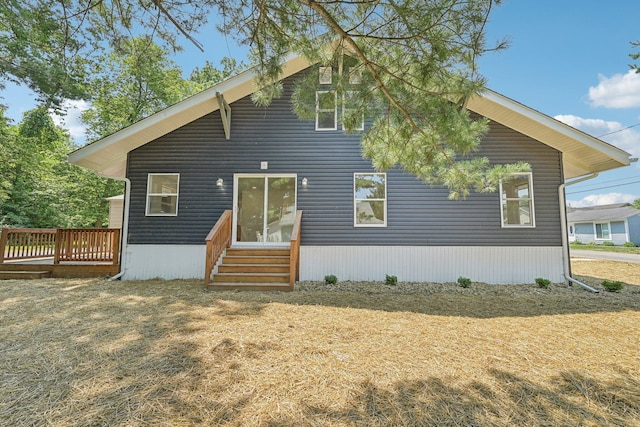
250,224
281,208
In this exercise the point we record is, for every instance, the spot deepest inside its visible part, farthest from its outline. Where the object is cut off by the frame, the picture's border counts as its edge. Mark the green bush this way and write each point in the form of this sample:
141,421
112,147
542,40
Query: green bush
543,283
578,242
391,280
330,279
465,282
629,245
608,243
592,244
613,286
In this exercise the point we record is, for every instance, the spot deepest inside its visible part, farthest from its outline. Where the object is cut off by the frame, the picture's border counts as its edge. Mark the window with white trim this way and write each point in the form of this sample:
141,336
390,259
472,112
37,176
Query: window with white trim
516,200
369,199
349,110
602,230
325,75
162,194
326,110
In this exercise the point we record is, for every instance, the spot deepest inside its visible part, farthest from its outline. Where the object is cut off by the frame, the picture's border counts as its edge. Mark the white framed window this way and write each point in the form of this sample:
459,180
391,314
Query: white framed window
349,101
325,75
326,110
355,75
162,194
369,199
516,201
602,230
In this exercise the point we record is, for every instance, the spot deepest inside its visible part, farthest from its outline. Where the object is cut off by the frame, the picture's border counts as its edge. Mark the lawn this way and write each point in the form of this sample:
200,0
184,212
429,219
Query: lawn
619,249
83,352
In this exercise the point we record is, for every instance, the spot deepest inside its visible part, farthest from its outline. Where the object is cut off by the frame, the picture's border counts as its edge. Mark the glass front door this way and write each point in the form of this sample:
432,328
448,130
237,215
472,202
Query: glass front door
265,209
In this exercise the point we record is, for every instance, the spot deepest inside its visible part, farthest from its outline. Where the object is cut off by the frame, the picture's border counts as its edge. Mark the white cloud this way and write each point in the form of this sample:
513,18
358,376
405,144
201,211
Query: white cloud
602,199
617,91
627,139
71,120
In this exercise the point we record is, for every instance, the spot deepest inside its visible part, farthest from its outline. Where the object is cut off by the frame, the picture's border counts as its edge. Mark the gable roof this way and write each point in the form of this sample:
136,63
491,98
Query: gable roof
619,211
582,153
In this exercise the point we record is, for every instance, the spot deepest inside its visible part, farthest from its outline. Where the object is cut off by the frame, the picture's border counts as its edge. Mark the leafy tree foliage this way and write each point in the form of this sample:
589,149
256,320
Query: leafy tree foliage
209,75
636,204
416,61
131,83
38,188
40,50
635,56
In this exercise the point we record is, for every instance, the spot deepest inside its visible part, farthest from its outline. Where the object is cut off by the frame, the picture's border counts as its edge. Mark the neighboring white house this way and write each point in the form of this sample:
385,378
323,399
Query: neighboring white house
618,223
116,209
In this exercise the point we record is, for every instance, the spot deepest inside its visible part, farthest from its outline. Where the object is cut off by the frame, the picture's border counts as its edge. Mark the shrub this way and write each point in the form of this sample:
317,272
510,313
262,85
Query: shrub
543,283
391,280
465,282
629,245
613,286
578,242
592,244
330,279
608,243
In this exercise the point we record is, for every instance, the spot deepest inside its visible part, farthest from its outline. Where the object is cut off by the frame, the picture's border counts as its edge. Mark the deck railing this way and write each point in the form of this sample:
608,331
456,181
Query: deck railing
294,250
26,243
217,241
79,245
87,244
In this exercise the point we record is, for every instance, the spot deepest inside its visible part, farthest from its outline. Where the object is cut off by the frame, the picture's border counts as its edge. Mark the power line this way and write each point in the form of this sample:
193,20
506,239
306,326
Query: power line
585,185
602,188
619,130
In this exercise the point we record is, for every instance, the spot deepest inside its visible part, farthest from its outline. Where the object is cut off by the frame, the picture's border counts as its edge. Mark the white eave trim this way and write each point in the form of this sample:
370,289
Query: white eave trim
528,121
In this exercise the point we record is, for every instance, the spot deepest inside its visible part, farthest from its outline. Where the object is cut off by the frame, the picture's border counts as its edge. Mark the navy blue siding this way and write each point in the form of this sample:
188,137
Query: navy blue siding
417,214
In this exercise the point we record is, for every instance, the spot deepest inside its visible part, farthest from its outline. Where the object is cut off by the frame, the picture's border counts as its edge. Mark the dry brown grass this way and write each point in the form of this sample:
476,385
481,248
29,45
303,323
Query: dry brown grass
92,352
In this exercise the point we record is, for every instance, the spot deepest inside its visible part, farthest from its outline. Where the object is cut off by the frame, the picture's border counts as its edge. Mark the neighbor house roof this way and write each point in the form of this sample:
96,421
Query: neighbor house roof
616,212
582,153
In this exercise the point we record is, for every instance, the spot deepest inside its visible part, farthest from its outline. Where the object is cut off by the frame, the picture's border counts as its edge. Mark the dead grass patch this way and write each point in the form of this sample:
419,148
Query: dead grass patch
91,352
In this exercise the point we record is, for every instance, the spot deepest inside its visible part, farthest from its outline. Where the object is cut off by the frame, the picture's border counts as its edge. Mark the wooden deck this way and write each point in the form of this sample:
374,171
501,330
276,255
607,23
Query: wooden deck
37,253
8,269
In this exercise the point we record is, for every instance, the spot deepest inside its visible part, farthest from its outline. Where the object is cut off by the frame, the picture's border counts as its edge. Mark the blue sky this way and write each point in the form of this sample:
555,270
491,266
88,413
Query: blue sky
568,59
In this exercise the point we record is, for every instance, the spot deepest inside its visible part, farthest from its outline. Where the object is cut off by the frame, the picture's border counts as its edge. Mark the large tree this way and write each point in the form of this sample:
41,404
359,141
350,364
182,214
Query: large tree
130,83
416,62
38,188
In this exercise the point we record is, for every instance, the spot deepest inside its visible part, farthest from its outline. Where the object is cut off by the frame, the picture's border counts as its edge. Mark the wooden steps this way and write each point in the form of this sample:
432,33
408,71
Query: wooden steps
24,275
253,270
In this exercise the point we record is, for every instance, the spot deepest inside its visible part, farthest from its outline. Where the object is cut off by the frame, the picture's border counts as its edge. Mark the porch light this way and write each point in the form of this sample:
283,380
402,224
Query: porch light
220,182
305,181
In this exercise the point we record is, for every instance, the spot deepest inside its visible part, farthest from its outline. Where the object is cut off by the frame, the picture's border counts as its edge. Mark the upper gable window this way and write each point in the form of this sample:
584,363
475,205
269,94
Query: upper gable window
370,199
162,194
325,76
516,204
349,111
355,75
326,110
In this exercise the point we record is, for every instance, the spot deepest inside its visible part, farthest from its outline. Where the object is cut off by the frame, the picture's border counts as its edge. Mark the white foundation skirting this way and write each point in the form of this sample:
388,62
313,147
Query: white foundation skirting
164,261
498,265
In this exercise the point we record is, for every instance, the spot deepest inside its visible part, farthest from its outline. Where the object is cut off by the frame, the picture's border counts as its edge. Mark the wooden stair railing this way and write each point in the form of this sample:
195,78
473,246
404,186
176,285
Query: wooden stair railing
294,250
217,241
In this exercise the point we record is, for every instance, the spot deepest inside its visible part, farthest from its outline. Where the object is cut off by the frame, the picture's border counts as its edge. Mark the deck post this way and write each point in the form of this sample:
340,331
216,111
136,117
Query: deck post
56,256
3,243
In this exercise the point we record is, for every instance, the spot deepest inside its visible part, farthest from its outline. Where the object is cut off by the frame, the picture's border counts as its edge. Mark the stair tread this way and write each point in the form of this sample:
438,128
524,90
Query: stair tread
268,274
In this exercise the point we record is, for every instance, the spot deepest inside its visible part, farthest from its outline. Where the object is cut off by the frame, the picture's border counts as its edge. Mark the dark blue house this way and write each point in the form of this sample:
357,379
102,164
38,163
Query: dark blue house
185,166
